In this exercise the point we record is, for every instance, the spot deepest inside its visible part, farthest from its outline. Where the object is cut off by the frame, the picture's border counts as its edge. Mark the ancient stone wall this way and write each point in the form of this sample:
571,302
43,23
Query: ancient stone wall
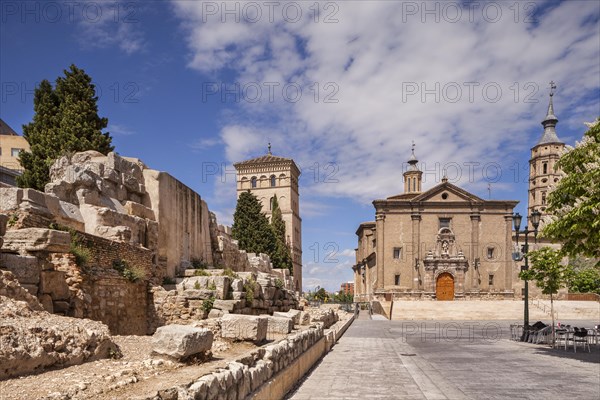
184,220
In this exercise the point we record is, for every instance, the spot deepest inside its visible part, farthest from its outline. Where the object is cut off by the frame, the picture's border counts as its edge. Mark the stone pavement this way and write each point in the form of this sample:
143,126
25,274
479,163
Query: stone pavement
448,360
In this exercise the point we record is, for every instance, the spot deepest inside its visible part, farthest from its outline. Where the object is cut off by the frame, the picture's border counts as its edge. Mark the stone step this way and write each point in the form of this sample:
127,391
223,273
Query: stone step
490,310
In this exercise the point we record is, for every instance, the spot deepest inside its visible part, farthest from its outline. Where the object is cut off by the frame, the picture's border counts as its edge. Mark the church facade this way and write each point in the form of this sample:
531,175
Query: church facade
446,243
270,176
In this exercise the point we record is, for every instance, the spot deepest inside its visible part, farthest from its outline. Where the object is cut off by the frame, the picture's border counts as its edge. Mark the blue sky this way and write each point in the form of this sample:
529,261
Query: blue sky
341,87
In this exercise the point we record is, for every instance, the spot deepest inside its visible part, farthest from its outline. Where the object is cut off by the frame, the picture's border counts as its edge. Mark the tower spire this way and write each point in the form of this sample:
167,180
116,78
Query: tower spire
549,123
269,147
412,176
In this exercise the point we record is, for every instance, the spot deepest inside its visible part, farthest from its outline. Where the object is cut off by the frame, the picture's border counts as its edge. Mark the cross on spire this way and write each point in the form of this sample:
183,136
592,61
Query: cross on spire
552,87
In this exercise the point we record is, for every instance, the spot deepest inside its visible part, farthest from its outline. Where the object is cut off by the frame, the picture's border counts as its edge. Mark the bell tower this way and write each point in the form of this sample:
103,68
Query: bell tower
544,155
412,176
270,176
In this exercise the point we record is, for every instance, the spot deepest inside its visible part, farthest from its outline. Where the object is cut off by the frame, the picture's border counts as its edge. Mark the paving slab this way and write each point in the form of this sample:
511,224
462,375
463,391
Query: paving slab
378,359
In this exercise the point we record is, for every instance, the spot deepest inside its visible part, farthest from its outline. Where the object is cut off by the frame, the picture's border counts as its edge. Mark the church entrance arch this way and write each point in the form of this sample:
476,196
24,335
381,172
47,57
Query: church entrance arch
444,288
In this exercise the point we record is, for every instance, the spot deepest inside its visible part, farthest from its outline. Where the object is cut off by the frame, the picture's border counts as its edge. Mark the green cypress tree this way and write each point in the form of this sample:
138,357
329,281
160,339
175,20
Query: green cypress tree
66,120
251,227
281,257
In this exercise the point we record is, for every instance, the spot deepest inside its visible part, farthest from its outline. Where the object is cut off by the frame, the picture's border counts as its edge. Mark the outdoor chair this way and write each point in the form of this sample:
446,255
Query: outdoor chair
593,335
543,335
562,337
580,336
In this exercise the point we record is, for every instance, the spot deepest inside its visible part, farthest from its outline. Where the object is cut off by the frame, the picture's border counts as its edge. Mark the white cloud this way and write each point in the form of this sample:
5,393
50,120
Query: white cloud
117,23
119,129
369,61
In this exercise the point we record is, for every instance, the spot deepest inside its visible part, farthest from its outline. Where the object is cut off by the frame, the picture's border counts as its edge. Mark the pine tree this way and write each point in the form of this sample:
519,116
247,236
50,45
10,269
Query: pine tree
281,257
66,120
251,227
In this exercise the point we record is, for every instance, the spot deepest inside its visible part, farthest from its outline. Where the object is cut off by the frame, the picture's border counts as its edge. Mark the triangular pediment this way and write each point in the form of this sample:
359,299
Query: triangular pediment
447,192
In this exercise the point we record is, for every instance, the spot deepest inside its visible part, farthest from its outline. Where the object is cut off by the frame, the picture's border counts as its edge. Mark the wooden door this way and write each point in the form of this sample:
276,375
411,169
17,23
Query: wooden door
445,287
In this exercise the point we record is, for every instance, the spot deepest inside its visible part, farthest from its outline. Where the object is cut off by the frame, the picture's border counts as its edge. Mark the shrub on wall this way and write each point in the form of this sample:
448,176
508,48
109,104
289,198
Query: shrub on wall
131,273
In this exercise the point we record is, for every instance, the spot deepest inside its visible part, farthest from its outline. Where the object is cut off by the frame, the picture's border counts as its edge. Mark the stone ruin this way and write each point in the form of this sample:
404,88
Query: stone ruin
138,229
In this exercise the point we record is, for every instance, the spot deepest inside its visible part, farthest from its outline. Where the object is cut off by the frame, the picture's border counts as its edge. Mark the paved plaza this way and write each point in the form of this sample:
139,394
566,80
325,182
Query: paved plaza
380,359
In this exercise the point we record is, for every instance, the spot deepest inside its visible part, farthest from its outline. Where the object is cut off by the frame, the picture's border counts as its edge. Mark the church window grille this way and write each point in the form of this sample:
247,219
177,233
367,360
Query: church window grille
272,180
397,279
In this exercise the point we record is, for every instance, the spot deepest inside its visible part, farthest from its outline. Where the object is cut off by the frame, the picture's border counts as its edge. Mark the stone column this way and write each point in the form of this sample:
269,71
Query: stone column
380,252
508,253
416,248
474,252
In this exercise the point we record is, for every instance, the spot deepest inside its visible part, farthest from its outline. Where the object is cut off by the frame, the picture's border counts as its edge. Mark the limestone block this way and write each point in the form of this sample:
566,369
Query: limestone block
58,169
54,283
304,318
293,314
139,210
86,156
87,196
244,327
238,295
181,341
237,285
222,283
193,282
197,294
124,166
227,305
116,233
46,302
279,325
25,268
3,222
10,198
214,313
111,175
37,239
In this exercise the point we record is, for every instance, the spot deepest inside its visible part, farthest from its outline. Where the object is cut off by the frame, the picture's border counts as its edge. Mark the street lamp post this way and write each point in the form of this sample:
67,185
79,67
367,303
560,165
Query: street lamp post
534,218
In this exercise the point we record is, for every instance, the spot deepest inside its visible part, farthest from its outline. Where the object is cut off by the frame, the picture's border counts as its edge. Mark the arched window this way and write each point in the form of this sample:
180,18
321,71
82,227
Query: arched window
545,168
272,180
253,182
408,184
415,184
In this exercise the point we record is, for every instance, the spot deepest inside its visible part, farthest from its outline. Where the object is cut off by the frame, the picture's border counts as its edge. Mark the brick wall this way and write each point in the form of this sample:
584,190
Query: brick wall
104,252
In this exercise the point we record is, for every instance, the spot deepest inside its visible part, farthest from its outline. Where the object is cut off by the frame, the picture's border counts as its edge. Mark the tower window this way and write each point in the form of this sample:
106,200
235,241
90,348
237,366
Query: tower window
491,279
445,223
545,168
490,253
397,253
544,198
397,279
409,184
272,180
415,184
253,182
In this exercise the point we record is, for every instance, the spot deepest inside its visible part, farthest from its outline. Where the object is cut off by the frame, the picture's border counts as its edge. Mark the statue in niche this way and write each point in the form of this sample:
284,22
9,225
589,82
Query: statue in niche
445,247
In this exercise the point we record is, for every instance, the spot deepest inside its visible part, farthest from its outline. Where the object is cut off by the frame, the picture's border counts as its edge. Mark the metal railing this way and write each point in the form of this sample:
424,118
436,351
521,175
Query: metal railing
546,308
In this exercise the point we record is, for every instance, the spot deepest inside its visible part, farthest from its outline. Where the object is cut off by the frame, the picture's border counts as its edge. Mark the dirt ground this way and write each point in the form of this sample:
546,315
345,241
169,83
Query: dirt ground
136,374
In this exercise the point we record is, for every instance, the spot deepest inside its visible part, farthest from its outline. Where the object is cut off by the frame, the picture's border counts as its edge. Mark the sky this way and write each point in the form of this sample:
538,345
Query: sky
341,87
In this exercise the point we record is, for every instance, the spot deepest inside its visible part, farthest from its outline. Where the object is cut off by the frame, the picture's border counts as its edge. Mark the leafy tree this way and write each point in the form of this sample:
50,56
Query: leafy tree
548,273
281,257
585,276
573,204
251,227
66,120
